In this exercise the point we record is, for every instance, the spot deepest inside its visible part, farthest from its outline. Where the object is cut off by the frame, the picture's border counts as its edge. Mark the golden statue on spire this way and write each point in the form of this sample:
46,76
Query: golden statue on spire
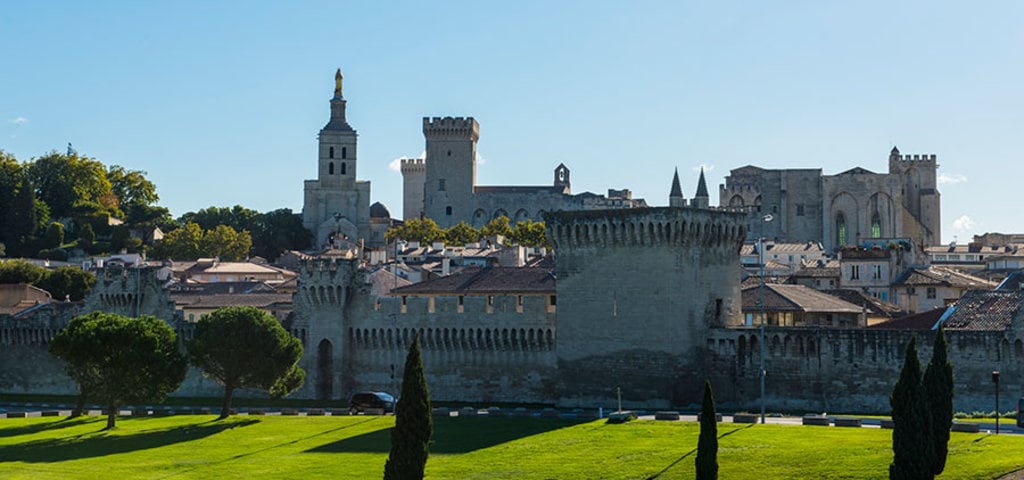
337,83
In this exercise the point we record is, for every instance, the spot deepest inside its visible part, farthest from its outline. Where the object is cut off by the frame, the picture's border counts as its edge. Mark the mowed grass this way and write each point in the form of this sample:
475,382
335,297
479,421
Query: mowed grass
464,448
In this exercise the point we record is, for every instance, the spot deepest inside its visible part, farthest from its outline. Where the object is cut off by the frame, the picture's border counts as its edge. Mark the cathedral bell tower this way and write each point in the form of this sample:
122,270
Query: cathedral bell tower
337,143
336,205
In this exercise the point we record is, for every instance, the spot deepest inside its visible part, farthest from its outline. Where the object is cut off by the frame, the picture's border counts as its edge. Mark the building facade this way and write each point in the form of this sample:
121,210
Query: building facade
443,186
840,210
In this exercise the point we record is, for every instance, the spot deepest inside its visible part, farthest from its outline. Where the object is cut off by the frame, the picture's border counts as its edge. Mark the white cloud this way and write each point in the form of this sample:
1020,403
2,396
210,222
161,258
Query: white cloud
963,224
18,120
480,160
396,164
707,168
952,179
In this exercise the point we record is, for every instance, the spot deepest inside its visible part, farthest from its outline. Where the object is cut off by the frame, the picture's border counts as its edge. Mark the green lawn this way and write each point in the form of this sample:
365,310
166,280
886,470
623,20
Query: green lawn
469,448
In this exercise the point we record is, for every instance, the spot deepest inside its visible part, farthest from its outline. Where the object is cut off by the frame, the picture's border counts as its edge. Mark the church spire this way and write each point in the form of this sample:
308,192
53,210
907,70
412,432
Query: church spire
675,196
701,199
338,121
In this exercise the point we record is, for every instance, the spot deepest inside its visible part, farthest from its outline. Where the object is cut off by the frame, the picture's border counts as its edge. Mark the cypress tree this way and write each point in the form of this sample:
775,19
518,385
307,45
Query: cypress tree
410,439
911,434
938,387
707,443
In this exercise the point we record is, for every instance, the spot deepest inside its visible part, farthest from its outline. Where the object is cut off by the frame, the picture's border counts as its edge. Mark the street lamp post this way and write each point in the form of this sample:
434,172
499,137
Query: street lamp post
760,253
995,380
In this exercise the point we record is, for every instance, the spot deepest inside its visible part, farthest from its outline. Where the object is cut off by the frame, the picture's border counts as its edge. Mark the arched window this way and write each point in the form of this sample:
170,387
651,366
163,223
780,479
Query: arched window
840,230
344,152
342,168
330,152
330,168
876,226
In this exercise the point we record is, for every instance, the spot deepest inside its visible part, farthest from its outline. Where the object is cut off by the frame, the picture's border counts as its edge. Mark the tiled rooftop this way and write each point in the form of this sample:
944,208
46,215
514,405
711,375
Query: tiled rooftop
985,310
493,280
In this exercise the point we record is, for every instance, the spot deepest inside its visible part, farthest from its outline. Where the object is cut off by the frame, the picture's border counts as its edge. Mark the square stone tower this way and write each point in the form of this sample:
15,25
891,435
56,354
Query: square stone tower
336,203
451,168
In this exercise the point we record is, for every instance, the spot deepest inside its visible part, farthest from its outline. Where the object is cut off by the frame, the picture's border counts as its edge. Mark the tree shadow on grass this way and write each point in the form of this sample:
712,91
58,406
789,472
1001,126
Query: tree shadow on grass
454,435
42,426
103,443
691,452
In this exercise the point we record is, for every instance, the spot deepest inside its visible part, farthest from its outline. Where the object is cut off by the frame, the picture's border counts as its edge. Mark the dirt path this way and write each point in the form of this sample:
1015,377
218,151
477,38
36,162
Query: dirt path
1018,475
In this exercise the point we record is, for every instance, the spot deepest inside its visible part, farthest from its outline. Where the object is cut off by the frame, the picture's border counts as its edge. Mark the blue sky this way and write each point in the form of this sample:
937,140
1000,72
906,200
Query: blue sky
220,102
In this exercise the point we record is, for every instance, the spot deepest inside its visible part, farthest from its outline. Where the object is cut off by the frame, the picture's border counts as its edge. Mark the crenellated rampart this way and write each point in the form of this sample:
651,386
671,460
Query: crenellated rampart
460,128
852,370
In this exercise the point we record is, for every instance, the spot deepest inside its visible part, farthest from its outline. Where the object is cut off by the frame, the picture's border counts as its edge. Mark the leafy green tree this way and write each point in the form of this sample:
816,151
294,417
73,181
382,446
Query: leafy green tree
148,217
131,188
497,226
245,347
62,180
410,439
224,242
416,230
461,234
181,244
529,234
277,231
86,237
911,435
20,271
67,283
707,443
20,211
120,360
938,387
54,237
237,217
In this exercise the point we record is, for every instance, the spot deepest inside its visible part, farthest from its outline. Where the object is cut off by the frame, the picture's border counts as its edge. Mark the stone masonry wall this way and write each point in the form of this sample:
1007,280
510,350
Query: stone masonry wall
637,290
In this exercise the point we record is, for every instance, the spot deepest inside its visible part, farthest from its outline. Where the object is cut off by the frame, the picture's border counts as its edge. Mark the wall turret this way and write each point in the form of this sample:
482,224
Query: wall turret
675,194
414,177
701,199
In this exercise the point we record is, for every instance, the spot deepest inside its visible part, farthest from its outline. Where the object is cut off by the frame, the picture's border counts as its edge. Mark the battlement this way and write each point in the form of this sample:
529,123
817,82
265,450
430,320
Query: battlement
412,165
914,158
451,128
646,227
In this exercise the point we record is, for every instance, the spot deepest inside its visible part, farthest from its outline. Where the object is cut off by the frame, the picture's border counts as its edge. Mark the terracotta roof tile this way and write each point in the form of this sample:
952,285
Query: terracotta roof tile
492,280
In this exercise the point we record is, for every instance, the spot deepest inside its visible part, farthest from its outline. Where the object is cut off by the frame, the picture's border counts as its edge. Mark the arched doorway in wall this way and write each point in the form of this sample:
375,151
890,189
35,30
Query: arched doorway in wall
324,372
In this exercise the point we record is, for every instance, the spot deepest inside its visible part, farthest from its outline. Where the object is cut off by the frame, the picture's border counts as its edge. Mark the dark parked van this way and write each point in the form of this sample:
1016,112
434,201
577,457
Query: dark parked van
360,402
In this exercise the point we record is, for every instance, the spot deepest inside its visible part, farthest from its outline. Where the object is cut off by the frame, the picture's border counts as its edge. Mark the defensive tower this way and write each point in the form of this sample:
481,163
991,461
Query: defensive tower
644,334
451,168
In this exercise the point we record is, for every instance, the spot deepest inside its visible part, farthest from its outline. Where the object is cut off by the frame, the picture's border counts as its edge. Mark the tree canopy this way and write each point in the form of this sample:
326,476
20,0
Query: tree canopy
410,439
497,226
62,283
707,443
20,212
191,242
119,360
938,387
911,435
417,230
245,347
62,181
529,234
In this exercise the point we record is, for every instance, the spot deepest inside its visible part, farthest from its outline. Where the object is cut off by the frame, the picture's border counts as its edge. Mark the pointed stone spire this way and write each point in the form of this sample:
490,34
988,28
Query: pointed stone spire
701,199
675,196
